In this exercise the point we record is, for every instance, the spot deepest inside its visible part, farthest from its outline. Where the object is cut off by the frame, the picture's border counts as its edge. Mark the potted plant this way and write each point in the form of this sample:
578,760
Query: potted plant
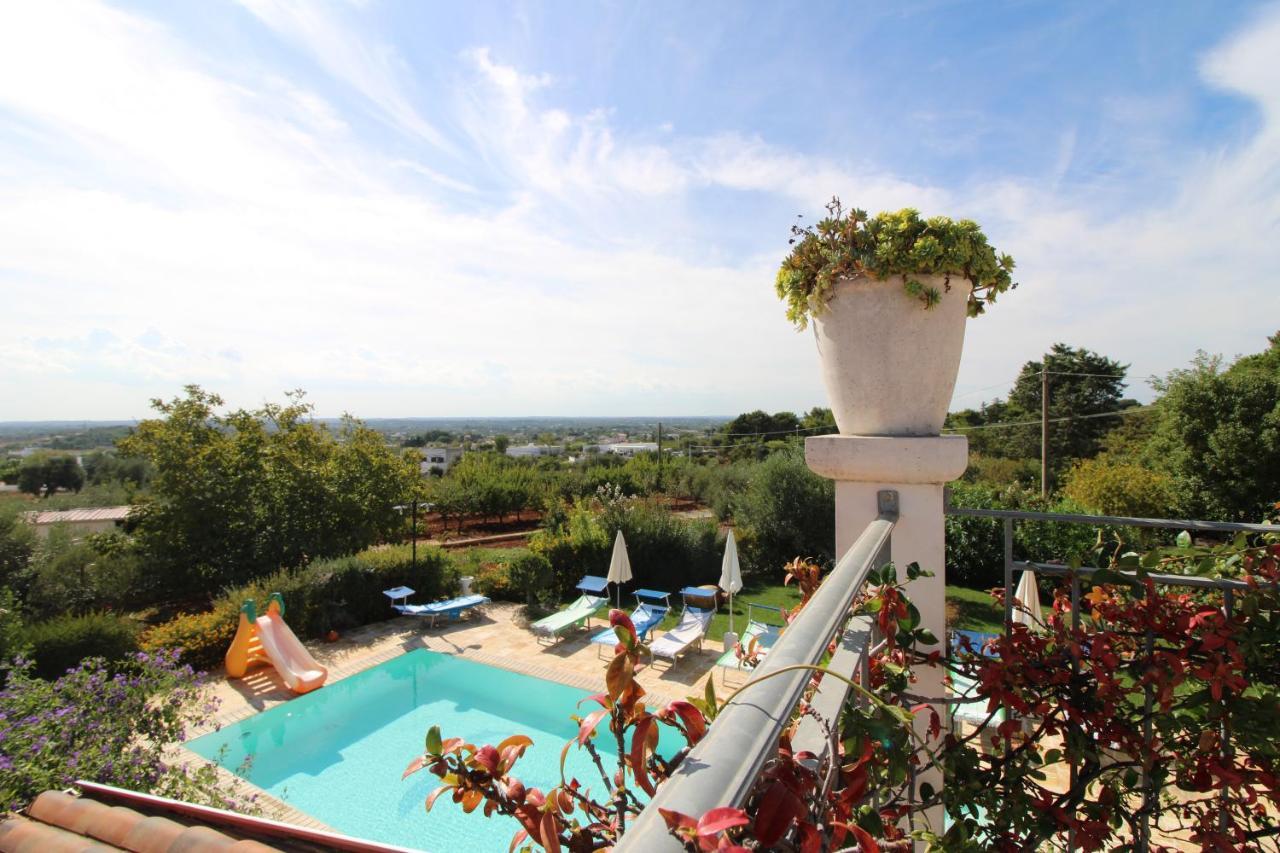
888,296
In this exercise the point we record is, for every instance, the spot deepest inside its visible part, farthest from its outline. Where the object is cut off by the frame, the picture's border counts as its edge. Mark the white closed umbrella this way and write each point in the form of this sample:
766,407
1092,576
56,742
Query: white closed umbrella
730,573
1027,601
620,565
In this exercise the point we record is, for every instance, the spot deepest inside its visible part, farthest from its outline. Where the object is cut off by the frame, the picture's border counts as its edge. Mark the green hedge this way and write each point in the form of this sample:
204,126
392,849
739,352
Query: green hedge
975,546
333,594
59,644
666,552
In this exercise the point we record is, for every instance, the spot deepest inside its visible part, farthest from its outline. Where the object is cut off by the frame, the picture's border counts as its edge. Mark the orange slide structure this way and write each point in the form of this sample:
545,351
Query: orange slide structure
266,639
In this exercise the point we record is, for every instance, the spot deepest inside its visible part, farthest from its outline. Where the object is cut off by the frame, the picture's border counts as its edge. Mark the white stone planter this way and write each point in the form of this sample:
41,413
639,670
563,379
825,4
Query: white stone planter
888,364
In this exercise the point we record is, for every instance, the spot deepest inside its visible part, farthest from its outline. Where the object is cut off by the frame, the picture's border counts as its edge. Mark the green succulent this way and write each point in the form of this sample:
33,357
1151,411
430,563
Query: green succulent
887,245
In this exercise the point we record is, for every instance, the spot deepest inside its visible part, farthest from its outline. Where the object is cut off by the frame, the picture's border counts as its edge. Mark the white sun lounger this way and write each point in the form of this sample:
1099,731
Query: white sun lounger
693,626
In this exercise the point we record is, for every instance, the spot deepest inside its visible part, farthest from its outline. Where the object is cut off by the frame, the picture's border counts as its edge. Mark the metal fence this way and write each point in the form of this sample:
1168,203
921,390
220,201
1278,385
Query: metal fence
723,767
1151,808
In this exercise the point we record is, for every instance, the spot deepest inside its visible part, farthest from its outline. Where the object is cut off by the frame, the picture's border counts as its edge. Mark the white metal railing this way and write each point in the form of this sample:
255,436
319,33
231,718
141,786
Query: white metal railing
723,767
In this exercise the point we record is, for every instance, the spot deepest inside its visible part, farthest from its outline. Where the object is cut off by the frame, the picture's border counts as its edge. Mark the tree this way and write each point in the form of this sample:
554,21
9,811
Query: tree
1218,435
501,443
242,494
1085,389
787,511
761,423
46,473
818,421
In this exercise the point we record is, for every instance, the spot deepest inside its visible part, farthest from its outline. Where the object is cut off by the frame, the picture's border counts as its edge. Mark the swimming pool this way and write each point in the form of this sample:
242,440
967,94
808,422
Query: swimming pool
337,754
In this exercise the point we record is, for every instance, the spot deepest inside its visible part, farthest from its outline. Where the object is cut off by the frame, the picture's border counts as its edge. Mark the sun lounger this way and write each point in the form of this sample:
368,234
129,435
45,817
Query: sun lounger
693,626
962,688
454,608
651,607
764,634
578,613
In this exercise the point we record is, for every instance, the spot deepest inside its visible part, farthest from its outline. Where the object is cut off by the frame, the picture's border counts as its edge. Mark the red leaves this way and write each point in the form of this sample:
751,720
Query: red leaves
624,628
692,722
589,724
644,739
414,766
618,676
779,808
705,833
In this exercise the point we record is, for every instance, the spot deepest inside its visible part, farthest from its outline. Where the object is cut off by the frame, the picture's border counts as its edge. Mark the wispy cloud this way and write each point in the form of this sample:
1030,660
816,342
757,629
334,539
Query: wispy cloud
525,255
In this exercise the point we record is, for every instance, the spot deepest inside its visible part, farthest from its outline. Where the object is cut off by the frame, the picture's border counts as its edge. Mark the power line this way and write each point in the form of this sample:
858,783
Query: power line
988,388
1129,411
773,432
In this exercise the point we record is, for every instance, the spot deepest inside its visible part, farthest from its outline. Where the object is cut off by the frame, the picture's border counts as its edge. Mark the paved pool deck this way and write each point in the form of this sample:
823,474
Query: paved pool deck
497,636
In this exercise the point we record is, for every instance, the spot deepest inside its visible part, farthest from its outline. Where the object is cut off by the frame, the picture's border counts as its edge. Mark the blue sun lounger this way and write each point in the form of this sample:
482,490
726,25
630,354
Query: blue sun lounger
651,607
453,609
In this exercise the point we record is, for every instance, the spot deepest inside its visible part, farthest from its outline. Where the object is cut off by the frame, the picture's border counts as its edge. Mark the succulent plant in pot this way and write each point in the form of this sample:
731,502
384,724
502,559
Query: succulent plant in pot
888,296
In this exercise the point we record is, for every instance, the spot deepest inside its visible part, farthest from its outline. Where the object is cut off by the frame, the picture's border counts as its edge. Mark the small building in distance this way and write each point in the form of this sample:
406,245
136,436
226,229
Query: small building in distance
630,448
81,522
439,459
622,448
535,450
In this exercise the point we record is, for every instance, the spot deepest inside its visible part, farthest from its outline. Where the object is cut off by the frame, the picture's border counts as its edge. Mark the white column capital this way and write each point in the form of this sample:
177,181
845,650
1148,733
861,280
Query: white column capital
888,459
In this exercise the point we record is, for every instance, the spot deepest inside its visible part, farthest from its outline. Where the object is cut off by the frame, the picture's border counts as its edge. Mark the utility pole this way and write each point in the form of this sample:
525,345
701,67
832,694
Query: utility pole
659,455
1044,429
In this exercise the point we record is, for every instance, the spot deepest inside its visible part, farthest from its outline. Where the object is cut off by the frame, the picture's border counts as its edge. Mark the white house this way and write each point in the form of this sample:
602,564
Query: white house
439,458
631,448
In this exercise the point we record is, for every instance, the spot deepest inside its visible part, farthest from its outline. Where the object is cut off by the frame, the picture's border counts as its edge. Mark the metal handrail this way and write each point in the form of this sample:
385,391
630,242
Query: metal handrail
722,768
1117,520
1227,586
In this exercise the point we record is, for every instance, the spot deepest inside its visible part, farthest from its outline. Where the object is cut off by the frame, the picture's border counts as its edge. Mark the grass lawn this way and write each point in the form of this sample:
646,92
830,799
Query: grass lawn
973,610
967,609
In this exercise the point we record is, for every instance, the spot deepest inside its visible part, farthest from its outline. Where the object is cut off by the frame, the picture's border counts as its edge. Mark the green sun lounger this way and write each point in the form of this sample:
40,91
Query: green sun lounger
578,613
764,634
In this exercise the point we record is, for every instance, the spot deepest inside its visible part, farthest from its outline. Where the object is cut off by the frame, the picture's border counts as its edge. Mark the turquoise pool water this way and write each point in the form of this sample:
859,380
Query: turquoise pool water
337,754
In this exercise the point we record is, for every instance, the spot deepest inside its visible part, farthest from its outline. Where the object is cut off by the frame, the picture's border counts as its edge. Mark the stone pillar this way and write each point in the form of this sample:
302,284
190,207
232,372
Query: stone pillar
916,468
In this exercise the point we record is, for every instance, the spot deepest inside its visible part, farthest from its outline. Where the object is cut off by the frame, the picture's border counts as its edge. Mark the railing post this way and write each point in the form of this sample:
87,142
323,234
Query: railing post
917,468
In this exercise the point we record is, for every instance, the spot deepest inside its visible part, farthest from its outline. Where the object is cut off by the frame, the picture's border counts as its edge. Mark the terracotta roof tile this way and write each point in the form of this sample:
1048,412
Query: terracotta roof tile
21,835
58,822
153,835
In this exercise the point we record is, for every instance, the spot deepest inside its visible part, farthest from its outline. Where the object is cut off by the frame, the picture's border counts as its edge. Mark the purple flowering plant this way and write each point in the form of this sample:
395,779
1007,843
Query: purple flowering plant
116,723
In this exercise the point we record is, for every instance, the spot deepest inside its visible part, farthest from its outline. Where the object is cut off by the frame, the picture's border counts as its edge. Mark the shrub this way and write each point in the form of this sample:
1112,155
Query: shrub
574,543
60,643
12,638
532,578
666,552
786,511
325,595
1121,488
975,546
79,575
494,580
1003,472
105,723
202,638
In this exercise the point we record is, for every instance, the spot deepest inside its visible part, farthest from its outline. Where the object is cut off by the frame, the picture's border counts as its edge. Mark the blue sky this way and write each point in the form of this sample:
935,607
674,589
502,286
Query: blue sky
565,208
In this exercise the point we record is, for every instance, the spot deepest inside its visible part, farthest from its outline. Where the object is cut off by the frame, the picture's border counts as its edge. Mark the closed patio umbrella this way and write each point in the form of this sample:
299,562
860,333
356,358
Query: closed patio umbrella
730,573
1027,601
620,565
